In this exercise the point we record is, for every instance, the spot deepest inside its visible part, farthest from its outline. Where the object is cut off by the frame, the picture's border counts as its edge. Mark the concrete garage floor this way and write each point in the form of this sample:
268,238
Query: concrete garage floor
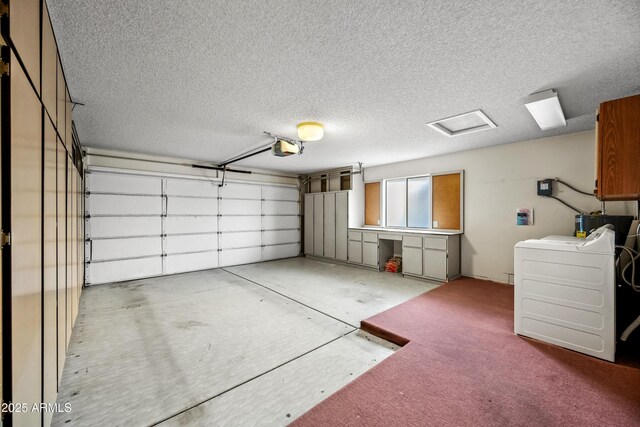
257,344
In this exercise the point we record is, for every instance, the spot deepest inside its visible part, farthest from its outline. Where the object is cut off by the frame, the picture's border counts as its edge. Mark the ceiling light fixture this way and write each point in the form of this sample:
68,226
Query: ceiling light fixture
546,110
310,131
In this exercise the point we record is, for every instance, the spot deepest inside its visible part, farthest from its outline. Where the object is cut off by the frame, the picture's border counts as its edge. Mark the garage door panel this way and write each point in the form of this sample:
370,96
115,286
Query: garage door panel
240,223
191,206
241,191
103,204
125,248
279,222
278,237
117,271
191,243
240,256
280,208
240,240
280,251
124,226
124,184
192,224
240,207
191,262
280,193
184,187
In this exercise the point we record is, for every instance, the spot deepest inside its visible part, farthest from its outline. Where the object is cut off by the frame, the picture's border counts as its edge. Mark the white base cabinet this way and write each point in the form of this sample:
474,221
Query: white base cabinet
370,254
435,257
412,260
424,255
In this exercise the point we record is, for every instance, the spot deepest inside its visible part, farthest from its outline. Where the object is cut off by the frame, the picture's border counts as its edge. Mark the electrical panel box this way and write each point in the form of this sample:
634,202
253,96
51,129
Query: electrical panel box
545,187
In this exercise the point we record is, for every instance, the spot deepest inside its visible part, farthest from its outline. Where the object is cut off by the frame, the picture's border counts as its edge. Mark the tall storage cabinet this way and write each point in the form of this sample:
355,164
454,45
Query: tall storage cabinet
326,224
329,226
308,224
618,149
342,225
318,224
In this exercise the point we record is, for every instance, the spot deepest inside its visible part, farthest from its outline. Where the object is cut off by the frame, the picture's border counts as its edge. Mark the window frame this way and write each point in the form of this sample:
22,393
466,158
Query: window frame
406,201
383,202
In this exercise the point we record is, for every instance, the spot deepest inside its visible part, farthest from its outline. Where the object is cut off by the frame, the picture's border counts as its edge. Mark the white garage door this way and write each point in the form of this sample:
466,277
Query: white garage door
140,225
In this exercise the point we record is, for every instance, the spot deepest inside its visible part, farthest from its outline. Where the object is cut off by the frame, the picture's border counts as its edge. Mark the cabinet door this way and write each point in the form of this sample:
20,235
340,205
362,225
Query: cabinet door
308,224
412,260
330,225
435,264
355,251
318,224
370,253
618,153
342,221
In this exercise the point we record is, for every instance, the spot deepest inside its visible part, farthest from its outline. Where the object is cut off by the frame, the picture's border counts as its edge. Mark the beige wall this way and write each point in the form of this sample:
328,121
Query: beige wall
500,179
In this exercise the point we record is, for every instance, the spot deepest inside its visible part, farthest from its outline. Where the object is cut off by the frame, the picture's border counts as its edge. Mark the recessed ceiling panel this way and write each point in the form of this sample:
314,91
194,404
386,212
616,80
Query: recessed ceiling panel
474,121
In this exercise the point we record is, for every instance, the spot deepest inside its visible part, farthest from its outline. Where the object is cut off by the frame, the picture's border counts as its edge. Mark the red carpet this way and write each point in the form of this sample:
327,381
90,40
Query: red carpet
463,366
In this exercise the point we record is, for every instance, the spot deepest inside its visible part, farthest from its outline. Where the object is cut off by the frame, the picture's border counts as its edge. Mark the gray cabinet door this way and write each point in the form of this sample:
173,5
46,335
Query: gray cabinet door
318,224
330,225
370,253
412,260
355,252
342,222
308,224
435,264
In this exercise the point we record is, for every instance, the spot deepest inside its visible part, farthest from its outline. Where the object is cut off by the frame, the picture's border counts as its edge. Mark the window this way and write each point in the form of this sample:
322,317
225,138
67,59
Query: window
408,202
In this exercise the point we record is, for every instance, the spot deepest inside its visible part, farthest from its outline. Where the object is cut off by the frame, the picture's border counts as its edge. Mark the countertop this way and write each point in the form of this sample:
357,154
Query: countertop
407,231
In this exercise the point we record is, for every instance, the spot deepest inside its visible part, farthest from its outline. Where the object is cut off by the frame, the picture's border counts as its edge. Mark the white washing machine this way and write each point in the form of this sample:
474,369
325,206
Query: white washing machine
565,292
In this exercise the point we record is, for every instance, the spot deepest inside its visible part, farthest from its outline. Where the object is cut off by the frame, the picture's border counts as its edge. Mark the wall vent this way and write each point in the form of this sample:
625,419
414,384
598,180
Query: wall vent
462,124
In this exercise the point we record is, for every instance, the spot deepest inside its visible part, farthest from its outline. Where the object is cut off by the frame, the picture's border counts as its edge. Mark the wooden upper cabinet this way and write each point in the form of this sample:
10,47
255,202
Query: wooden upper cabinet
618,149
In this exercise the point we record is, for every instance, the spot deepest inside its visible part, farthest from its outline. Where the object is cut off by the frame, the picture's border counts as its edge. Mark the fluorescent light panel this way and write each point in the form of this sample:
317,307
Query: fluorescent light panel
546,110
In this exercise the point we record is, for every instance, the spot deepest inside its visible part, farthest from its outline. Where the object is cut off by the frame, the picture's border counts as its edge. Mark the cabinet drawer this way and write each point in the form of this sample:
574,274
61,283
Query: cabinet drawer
412,241
355,236
369,237
435,243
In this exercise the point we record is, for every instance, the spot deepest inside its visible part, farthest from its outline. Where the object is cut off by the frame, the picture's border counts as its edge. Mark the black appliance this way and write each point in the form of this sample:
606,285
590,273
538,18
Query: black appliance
589,223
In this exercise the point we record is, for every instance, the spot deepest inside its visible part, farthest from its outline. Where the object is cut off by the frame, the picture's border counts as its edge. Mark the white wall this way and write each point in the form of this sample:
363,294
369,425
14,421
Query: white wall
500,179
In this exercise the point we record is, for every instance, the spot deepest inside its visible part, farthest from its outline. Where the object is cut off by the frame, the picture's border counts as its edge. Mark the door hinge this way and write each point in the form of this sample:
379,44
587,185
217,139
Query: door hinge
5,238
4,8
4,69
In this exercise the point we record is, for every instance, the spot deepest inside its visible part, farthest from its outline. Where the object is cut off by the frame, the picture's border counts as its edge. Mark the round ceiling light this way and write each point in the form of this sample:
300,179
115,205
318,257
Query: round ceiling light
310,131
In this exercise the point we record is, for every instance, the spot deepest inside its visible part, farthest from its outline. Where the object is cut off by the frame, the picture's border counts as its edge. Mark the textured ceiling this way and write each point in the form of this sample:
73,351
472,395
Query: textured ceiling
203,79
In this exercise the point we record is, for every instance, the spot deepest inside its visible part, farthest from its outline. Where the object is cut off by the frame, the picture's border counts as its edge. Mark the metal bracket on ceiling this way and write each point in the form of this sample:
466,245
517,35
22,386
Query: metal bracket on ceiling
75,103
224,173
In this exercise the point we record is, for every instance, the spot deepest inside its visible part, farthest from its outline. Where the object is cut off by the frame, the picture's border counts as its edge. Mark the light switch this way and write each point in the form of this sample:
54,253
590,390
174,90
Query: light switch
435,224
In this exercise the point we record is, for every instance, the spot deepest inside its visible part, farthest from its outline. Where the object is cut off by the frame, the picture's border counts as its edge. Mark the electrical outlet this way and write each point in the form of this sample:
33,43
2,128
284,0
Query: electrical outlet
435,224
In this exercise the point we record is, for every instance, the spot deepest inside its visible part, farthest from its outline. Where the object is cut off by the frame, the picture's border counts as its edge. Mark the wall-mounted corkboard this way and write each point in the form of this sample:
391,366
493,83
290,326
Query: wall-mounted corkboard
446,198
372,203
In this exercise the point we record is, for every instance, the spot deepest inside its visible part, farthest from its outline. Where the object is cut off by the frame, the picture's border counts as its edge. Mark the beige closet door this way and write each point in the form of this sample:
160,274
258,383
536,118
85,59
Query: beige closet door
69,284
50,269
62,256
26,292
